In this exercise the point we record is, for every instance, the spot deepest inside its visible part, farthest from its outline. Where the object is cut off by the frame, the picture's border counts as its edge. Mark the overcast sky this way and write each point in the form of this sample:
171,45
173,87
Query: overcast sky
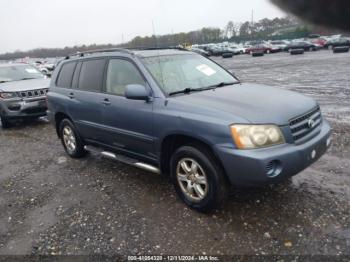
28,24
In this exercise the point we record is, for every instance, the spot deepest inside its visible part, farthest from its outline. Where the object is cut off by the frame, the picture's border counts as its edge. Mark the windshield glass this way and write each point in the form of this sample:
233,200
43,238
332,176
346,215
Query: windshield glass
177,72
19,72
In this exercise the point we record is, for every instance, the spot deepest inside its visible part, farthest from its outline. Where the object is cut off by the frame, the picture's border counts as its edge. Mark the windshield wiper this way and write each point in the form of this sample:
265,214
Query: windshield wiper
3,81
221,84
186,91
26,78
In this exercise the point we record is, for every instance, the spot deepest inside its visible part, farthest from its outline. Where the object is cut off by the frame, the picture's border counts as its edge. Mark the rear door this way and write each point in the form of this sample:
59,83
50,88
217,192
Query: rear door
129,123
86,98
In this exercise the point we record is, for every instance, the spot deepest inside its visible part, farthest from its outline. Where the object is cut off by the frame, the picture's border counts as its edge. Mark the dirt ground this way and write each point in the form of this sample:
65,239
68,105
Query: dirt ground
51,204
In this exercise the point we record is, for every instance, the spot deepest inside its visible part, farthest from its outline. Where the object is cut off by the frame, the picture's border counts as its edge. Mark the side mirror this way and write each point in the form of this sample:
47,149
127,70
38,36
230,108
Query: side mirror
136,92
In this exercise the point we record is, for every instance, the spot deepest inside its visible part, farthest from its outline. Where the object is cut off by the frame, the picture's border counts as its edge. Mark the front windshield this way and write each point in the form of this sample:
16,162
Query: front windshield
178,72
19,72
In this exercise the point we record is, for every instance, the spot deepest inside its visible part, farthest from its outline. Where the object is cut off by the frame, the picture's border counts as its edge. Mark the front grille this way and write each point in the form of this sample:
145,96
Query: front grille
34,93
305,124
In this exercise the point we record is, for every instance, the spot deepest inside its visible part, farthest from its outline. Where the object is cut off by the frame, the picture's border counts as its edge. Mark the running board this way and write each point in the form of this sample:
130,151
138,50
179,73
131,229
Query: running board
124,159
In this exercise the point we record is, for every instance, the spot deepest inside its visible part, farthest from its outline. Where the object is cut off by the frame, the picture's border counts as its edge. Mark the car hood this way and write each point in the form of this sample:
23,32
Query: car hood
25,85
257,104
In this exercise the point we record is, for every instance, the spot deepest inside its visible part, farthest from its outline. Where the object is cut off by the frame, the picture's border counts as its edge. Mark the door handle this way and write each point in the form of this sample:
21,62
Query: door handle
71,95
106,102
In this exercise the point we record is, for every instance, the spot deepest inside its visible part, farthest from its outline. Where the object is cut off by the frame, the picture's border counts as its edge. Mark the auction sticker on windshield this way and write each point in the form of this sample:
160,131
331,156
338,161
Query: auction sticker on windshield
31,71
205,69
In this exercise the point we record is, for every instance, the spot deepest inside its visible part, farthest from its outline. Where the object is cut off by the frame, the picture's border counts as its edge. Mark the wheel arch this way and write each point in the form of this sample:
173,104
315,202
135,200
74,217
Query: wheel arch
172,142
59,116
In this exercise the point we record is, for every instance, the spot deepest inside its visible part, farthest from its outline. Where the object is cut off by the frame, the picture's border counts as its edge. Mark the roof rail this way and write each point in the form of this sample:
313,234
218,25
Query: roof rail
159,48
108,50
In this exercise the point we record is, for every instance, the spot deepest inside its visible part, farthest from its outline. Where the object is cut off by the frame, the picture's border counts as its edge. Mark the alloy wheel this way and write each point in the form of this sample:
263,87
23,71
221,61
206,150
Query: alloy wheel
69,139
192,179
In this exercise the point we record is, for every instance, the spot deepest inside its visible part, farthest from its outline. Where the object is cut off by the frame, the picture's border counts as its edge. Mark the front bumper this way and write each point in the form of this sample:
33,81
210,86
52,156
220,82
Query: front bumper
273,164
23,108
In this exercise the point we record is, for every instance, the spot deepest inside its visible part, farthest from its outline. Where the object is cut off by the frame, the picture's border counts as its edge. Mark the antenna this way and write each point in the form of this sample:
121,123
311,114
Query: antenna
154,33
160,67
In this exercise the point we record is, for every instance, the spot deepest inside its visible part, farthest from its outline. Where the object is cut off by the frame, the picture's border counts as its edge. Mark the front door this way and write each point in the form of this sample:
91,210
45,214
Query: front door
129,123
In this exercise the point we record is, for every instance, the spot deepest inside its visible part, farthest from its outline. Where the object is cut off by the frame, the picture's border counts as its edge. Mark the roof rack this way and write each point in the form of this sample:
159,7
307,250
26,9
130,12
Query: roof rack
123,50
108,50
159,48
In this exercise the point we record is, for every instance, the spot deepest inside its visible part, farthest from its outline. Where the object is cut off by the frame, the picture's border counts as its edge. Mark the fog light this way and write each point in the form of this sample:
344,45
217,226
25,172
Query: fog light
273,168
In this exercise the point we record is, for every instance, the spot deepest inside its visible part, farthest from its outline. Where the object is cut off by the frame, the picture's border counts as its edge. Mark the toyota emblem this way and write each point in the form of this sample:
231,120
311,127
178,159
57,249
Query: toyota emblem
311,123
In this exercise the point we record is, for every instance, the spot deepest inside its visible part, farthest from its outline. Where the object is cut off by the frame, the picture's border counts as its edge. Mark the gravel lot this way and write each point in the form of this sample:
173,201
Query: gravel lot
51,204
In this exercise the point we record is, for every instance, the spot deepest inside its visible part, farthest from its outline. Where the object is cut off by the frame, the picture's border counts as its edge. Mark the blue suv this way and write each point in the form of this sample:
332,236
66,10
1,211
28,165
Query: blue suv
180,114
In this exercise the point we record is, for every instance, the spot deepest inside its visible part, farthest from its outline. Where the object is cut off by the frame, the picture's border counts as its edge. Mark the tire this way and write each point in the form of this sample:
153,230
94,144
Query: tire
208,175
5,123
71,140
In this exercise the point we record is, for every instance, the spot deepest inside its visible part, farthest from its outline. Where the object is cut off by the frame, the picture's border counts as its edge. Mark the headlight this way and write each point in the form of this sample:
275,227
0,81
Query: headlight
8,95
256,136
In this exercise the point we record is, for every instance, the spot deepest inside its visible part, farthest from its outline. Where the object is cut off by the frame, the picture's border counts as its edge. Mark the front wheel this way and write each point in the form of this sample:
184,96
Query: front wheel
71,140
198,178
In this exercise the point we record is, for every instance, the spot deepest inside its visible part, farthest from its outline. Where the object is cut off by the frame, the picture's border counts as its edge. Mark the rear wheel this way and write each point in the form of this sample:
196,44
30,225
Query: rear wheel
5,123
198,178
71,140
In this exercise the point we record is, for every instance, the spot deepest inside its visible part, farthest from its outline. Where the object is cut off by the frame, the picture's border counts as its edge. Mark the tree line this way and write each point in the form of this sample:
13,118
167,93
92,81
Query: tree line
277,28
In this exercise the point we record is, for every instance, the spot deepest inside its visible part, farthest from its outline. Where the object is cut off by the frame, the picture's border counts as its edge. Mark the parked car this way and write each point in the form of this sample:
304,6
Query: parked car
260,48
337,42
180,114
238,50
279,44
23,91
220,50
200,51
319,41
307,46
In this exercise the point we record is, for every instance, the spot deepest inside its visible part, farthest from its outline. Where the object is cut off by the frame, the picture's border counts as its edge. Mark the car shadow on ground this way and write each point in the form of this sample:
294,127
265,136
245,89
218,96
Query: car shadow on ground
25,123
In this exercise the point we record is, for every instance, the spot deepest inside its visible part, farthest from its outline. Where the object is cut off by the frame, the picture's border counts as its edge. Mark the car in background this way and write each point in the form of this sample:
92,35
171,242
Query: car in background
220,50
200,51
319,41
307,46
260,48
238,50
279,44
341,41
23,91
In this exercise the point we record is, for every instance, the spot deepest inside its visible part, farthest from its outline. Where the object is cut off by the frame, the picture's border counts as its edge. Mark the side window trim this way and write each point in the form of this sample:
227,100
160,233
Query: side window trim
76,75
104,89
103,75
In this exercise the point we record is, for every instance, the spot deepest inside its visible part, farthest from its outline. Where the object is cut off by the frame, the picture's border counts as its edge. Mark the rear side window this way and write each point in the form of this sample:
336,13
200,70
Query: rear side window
66,75
91,75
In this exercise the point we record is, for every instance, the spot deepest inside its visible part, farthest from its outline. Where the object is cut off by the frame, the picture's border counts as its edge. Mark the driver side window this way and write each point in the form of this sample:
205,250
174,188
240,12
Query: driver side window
121,73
